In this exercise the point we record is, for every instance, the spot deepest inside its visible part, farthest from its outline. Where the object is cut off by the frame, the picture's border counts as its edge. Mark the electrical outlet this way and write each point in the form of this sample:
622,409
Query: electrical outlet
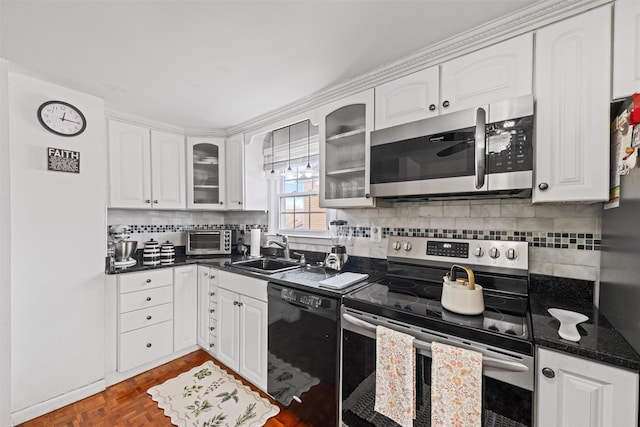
376,234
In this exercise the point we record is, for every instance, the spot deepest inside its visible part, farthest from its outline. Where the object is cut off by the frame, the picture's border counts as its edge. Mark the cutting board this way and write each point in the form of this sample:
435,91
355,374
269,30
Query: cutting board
343,280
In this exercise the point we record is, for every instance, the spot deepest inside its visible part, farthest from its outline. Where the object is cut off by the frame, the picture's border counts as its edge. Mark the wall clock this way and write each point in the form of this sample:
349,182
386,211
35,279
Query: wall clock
61,118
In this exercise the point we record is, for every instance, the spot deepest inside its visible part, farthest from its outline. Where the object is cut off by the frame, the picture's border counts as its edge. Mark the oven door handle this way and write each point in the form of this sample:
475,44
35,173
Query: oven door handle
493,362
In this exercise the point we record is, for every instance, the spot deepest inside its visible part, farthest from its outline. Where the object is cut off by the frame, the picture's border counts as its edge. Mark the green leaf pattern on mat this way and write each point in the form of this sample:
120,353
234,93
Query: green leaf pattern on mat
228,396
248,414
197,408
188,391
202,373
215,421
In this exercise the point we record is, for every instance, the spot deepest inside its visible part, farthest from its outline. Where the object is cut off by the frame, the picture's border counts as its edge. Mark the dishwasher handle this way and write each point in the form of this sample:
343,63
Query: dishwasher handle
493,362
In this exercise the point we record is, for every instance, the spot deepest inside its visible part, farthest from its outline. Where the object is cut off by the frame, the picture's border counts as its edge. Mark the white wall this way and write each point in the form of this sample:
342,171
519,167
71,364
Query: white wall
58,223
5,252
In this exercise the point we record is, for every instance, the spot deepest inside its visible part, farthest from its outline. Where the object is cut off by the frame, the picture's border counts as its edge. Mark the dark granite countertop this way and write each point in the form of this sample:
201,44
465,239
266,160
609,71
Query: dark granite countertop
599,341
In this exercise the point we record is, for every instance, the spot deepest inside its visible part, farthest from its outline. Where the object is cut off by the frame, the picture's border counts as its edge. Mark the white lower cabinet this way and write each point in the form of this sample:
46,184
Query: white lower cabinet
242,326
185,305
572,391
145,324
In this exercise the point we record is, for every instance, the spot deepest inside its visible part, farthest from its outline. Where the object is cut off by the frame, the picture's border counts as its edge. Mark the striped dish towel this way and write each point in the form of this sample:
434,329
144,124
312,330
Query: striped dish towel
456,386
395,376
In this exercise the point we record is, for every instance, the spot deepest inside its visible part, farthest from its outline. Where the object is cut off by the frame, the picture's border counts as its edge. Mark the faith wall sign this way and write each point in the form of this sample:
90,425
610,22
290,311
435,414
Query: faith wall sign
62,160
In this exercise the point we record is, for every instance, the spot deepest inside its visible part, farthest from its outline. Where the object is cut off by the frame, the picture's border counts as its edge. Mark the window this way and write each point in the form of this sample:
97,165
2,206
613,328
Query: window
298,207
291,156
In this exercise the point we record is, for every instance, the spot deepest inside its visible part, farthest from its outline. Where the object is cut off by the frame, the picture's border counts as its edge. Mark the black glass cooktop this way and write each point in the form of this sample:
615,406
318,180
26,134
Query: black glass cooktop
505,321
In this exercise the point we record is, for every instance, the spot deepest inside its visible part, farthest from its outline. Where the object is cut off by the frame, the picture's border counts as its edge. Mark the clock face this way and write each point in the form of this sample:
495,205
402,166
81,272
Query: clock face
61,118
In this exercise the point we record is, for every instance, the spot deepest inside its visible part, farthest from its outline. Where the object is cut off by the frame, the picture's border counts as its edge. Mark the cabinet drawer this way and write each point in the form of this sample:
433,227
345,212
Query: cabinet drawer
146,279
146,317
144,345
143,299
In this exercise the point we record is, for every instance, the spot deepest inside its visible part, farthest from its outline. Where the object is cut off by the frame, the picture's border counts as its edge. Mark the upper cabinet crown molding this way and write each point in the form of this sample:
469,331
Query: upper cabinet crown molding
540,14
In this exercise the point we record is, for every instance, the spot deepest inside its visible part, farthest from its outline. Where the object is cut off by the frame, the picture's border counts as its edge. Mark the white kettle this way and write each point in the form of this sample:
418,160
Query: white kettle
462,296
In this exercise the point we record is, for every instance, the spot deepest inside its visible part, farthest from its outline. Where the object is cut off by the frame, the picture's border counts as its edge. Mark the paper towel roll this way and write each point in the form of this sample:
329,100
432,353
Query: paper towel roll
255,242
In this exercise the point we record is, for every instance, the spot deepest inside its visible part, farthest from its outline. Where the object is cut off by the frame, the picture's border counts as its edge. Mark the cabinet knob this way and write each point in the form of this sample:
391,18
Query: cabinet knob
147,201
212,311
239,304
212,294
235,303
212,345
148,345
239,203
212,328
432,107
148,280
543,186
445,104
148,317
367,196
548,372
222,203
155,201
212,276
148,298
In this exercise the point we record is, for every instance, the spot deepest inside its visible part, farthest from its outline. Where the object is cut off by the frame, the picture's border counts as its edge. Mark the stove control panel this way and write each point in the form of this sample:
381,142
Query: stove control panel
495,253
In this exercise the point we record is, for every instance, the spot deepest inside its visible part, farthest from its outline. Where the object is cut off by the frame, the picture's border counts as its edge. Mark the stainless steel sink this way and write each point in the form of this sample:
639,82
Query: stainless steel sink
267,265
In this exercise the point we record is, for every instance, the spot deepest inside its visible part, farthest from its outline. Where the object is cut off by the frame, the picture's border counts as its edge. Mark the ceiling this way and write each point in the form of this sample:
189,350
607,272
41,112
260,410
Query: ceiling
216,64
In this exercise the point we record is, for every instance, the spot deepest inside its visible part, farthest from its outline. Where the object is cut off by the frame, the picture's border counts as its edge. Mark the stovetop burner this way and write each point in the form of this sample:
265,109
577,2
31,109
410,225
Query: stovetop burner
412,291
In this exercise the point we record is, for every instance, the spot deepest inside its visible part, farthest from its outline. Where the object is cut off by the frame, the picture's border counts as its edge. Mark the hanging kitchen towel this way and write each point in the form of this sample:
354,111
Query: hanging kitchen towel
395,376
456,386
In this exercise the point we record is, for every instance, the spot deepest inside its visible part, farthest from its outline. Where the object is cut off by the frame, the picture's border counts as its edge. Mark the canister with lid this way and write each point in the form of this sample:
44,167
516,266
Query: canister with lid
151,253
167,253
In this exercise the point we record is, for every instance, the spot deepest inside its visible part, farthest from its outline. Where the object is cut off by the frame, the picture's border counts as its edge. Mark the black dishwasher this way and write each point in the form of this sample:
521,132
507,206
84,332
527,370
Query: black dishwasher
303,353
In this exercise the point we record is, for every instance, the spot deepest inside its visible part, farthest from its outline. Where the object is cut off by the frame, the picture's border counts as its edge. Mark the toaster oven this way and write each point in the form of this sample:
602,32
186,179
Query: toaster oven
209,242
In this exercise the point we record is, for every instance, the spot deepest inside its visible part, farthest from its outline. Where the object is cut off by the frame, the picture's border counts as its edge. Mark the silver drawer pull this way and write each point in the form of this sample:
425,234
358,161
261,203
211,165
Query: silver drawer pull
148,298
148,317
148,345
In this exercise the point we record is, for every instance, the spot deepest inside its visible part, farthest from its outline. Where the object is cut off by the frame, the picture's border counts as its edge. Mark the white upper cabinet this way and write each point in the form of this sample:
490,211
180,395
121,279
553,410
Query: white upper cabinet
573,78
626,48
345,132
246,182
206,173
146,168
168,179
495,73
409,98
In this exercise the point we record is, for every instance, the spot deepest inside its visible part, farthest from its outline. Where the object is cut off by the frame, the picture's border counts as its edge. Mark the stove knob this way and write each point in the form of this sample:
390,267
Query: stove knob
478,251
511,254
494,253
407,246
396,245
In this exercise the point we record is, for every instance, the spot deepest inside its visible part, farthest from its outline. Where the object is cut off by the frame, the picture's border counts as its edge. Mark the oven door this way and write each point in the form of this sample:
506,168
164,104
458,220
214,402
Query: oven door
507,396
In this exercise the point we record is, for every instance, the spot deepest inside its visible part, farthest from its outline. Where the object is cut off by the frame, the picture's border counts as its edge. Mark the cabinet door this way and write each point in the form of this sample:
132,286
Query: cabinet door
576,392
234,154
573,77
168,176
185,301
345,128
228,328
129,166
495,73
253,341
205,173
203,307
626,48
409,98
255,182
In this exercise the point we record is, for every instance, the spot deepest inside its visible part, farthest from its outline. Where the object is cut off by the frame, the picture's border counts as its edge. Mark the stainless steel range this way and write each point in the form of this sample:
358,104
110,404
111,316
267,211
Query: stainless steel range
408,299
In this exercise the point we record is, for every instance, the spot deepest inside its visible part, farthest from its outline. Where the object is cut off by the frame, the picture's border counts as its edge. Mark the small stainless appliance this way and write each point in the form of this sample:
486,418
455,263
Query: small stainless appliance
408,299
340,235
479,152
209,242
120,248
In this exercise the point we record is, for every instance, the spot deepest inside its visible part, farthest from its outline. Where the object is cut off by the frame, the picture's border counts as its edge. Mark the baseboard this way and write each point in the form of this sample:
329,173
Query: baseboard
116,377
57,402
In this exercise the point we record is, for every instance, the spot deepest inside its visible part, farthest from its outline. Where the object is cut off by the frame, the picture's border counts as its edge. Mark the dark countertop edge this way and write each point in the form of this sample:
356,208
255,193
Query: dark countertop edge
600,341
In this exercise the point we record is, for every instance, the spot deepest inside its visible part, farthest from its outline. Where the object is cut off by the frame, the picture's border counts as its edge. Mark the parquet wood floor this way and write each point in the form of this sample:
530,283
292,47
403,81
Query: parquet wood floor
127,403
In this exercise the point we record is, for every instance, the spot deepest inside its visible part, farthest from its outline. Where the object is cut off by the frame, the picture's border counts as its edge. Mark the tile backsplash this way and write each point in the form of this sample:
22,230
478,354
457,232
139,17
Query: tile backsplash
564,239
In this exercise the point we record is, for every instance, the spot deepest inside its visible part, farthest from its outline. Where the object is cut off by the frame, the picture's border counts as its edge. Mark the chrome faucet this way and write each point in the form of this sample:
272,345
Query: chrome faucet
284,245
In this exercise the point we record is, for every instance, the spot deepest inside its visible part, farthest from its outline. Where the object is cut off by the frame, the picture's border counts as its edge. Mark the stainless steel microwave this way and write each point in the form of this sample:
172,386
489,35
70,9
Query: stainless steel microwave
209,242
480,152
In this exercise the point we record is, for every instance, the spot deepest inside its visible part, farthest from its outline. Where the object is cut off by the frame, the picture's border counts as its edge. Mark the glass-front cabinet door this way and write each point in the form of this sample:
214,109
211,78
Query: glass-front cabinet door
345,129
205,173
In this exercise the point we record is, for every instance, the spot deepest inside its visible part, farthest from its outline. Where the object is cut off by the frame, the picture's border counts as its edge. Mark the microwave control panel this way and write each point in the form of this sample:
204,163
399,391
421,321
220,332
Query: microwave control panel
510,145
